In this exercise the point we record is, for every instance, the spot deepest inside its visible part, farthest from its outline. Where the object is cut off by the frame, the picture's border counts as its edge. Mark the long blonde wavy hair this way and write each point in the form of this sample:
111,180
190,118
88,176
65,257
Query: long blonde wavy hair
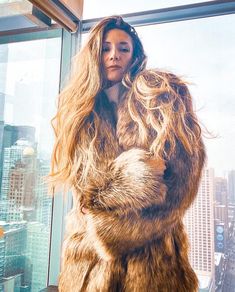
74,150
169,112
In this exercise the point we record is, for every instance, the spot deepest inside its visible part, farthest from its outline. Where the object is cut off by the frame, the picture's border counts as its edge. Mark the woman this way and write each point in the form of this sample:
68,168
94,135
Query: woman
129,145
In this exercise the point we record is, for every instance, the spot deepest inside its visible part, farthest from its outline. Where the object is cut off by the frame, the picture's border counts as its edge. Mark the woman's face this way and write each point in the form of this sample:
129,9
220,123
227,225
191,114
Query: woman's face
117,51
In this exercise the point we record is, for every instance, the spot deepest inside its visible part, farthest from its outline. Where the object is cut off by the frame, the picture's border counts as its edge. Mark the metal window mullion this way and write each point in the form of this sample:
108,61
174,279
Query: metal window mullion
171,14
61,205
30,35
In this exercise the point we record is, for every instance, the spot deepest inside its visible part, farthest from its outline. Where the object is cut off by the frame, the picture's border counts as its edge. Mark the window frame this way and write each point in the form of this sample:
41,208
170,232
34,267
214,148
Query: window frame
60,206
172,14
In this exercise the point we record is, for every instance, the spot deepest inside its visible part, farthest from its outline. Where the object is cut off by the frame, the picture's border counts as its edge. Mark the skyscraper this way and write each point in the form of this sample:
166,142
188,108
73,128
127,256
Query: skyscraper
44,201
18,184
11,156
2,253
2,103
231,186
221,209
3,70
1,148
11,134
199,223
38,252
12,255
221,191
22,178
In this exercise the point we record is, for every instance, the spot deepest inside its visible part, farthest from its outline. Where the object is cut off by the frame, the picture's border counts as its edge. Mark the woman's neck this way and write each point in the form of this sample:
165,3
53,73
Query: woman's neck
113,92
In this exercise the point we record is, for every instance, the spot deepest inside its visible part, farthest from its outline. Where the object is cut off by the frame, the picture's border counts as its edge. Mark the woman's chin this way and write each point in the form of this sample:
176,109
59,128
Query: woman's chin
110,83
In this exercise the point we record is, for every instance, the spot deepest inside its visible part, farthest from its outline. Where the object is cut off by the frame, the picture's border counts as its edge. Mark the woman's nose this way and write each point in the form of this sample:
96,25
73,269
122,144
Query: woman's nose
114,55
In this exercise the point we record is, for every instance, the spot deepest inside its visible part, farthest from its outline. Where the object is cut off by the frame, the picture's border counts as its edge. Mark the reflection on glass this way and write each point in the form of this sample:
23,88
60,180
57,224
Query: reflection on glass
203,52
14,7
29,79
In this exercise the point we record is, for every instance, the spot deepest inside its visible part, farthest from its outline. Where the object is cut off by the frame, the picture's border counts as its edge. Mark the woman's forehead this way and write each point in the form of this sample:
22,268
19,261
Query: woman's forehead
117,35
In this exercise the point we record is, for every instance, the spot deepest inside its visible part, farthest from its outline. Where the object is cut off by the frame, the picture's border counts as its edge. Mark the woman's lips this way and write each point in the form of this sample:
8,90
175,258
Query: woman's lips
114,67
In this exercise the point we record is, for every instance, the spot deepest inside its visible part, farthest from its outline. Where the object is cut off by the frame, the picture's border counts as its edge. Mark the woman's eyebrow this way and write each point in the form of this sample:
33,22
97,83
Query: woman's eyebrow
121,43
124,43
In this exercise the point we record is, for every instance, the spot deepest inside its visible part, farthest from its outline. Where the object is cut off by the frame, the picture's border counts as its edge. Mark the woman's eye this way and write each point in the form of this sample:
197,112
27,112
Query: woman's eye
105,49
125,50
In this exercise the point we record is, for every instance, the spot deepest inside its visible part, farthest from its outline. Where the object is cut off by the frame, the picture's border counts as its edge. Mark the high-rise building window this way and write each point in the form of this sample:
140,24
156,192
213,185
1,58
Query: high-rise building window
29,84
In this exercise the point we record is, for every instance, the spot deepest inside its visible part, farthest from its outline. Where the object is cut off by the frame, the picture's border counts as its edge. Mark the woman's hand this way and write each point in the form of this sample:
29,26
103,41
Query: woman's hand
157,164
84,210
133,181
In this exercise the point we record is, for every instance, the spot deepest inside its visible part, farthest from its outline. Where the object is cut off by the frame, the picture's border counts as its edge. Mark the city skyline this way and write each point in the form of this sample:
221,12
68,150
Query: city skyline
24,199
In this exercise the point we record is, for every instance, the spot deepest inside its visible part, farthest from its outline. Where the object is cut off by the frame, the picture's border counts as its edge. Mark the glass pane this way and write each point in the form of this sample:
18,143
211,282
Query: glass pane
203,52
29,82
93,9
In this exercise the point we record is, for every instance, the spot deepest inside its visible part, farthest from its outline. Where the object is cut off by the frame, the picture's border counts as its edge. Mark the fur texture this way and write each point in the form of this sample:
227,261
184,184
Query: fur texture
132,239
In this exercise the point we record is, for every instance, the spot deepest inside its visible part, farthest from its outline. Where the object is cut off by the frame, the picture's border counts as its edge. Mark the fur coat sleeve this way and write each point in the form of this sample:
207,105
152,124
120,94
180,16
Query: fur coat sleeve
139,199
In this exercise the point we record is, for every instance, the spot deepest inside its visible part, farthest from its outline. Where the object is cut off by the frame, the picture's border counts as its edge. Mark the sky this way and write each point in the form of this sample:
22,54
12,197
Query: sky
93,9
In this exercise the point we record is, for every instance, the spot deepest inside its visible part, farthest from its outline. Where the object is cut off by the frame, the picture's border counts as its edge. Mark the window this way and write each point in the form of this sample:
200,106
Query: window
202,51
29,83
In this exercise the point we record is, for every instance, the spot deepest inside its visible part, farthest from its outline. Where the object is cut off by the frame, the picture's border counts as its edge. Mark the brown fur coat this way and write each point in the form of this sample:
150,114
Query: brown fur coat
132,239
